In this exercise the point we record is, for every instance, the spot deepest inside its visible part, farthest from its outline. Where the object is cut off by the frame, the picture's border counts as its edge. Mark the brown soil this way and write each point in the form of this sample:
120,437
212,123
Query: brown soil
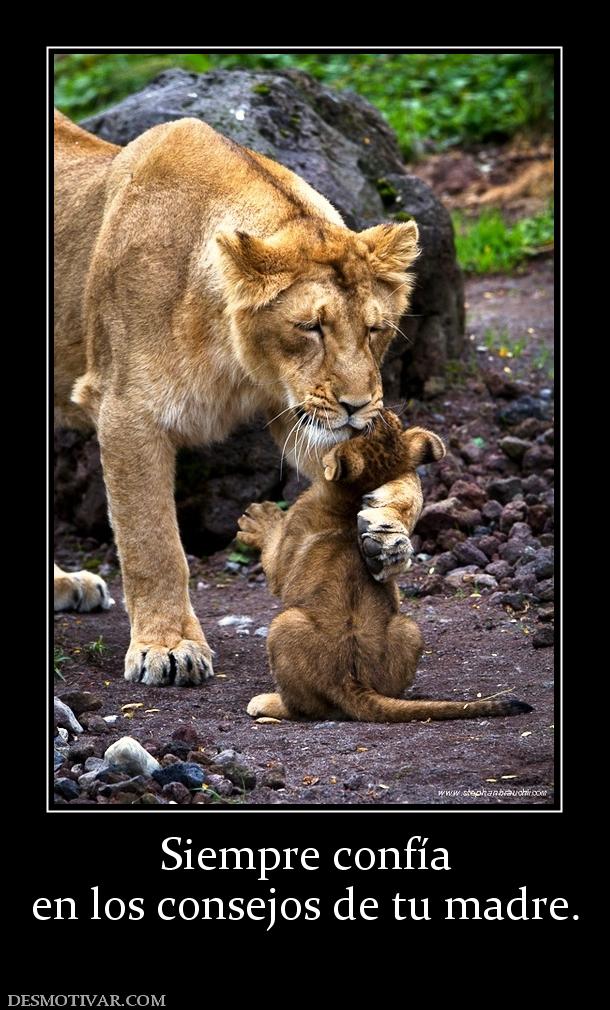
473,645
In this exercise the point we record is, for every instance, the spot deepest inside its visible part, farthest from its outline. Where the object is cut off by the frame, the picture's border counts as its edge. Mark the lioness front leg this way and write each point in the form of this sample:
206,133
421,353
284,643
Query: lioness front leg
384,524
167,643
82,591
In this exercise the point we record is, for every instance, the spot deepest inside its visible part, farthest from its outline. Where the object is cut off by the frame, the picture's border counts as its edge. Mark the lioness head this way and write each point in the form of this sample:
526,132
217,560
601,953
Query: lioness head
314,308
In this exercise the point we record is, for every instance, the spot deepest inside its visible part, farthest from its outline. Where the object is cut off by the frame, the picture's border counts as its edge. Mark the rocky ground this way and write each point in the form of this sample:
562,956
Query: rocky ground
481,589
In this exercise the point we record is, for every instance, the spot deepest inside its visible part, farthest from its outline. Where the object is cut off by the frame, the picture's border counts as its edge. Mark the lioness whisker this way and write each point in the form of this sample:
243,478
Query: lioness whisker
295,425
293,406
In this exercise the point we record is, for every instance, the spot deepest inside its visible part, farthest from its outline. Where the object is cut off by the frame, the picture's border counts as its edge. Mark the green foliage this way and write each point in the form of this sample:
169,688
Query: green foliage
59,658
488,244
96,649
432,100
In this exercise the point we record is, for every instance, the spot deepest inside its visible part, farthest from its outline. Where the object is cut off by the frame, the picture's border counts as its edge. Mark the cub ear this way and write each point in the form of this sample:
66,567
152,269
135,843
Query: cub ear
255,269
342,462
423,445
393,247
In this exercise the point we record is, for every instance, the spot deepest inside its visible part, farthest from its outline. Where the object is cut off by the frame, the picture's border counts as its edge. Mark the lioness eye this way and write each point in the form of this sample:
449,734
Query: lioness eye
310,327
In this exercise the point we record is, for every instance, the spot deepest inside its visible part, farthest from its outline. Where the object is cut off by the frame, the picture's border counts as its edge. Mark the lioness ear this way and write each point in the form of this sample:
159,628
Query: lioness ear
423,445
256,270
393,247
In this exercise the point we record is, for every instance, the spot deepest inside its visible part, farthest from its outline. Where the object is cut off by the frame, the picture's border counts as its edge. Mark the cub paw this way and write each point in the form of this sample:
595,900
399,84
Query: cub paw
186,664
81,591
384,543
256,522
270,705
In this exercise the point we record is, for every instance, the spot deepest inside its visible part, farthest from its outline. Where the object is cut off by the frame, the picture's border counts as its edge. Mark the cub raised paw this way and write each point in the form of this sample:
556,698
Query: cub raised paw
82,591
257,522
185,664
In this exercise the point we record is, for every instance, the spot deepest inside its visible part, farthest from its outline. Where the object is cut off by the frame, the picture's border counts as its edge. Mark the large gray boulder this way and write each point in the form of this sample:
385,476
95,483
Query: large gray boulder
342,146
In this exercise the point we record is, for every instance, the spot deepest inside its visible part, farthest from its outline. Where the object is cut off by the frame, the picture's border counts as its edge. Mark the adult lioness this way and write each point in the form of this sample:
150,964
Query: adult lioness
198,282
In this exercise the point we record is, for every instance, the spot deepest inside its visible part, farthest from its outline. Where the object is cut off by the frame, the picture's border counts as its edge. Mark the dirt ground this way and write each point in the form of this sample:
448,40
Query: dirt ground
475,644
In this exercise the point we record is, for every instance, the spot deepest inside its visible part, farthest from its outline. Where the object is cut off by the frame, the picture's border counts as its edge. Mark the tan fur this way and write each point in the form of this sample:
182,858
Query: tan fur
341,648
189,274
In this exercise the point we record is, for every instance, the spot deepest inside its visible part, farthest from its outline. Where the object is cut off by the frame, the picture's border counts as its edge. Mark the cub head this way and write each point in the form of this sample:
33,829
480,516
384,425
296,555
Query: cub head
314,308
384,454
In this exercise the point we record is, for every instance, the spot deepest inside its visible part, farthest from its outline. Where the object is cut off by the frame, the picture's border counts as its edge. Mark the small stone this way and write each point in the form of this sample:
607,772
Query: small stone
95,764
468,553
499,569
485,582
199,757
505,490
514,447
80,750
94,723
544,563
447,514
455,579
488,544
514,512
149,800
138,784
522,408
81,701
175,750
234,619
499,386
447,539
517,601
534,484
220,785
545,591
64,716
189,774
187,733
538,458
129,756
66,788
491,511
274,777
444,563
354,782
262,632
544,637
471,452
432,585
110,719
62,736
238,773
232,566
178,792
469,493
58,759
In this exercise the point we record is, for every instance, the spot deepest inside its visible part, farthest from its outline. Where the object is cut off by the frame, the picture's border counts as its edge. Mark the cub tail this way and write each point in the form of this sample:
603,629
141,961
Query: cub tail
366,705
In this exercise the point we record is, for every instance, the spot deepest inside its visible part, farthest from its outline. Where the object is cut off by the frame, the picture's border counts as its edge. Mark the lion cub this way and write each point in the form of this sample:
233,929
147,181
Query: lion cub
341,648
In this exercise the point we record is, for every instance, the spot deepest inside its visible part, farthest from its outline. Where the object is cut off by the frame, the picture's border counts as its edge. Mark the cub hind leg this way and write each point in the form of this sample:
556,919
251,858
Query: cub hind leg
82,591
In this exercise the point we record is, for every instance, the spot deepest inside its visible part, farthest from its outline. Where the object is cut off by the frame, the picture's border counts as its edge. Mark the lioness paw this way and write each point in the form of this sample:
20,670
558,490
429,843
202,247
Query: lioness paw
81,591
186,664
384,543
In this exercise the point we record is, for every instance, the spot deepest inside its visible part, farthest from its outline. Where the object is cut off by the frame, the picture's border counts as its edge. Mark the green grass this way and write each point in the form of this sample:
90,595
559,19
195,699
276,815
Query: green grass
432,101
488,244
96,649
59,658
